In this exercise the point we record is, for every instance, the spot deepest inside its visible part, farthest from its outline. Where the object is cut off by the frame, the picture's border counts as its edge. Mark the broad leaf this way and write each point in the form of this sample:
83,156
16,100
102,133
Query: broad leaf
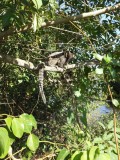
17,127
8,121
115,102
84,156
38,3
98,56
34,122
28,122
92,152
4,142
76,155
108,136
110,124
63,154
98,140
77,93
33,142
103,156
99,70
102,125
107,58
35,23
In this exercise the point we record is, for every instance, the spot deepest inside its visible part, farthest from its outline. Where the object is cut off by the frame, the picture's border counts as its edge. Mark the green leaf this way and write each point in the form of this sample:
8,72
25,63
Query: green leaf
34,122
35,23
98,140
110,124
108,136
4,142
38,3
28,122
76,155
92,152
115,102
118,130
40,21
63,154
33,142
102,125
17,127
112,144
107,58
77,93
8,121
98,56
113,156
103,156
84,156
99,70
53,4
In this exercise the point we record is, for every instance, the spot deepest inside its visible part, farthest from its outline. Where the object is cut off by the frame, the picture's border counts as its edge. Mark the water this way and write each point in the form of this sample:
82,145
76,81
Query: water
96,114
103,110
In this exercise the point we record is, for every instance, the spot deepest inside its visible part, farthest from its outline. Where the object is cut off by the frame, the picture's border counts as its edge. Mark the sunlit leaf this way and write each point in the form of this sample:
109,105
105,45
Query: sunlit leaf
27,122
102,125
98,140
107,58
76,155
4,142
38,3
33,142
8,121
99,70
115,102
110,124
17,127
77,93
35,23
98,56
84,156
63,154
93,152
103,156
108,136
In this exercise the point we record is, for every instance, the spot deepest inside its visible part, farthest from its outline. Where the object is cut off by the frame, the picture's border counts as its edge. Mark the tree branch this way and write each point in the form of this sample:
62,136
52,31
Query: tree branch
81,16
4,35
29,65
17,61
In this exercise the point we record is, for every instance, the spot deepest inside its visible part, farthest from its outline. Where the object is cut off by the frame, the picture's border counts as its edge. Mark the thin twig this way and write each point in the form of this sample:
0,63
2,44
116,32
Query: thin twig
114,119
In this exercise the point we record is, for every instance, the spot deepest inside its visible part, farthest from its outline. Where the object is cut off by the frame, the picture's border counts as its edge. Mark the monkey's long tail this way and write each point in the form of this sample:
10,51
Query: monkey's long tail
41,78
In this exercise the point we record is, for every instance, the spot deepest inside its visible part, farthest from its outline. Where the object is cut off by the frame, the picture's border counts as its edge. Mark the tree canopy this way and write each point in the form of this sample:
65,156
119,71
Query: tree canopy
32,30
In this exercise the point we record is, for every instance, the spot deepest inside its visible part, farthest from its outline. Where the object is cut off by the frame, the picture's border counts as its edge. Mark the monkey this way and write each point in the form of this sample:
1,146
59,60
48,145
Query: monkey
65,58
60,59
55,59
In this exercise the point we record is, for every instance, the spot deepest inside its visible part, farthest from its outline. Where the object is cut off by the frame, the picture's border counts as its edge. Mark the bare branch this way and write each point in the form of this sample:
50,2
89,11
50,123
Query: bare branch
81,16
29,65
4,35
17,61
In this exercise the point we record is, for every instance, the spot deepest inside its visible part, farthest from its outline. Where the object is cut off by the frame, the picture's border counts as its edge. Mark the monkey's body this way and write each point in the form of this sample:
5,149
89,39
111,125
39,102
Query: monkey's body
59,58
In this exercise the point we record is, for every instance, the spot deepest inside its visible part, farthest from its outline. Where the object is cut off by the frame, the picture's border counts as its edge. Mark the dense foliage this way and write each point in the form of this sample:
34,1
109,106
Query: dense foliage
60,129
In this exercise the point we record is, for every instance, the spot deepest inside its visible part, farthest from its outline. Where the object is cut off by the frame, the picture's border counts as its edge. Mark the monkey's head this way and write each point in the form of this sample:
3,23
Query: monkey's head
68,55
